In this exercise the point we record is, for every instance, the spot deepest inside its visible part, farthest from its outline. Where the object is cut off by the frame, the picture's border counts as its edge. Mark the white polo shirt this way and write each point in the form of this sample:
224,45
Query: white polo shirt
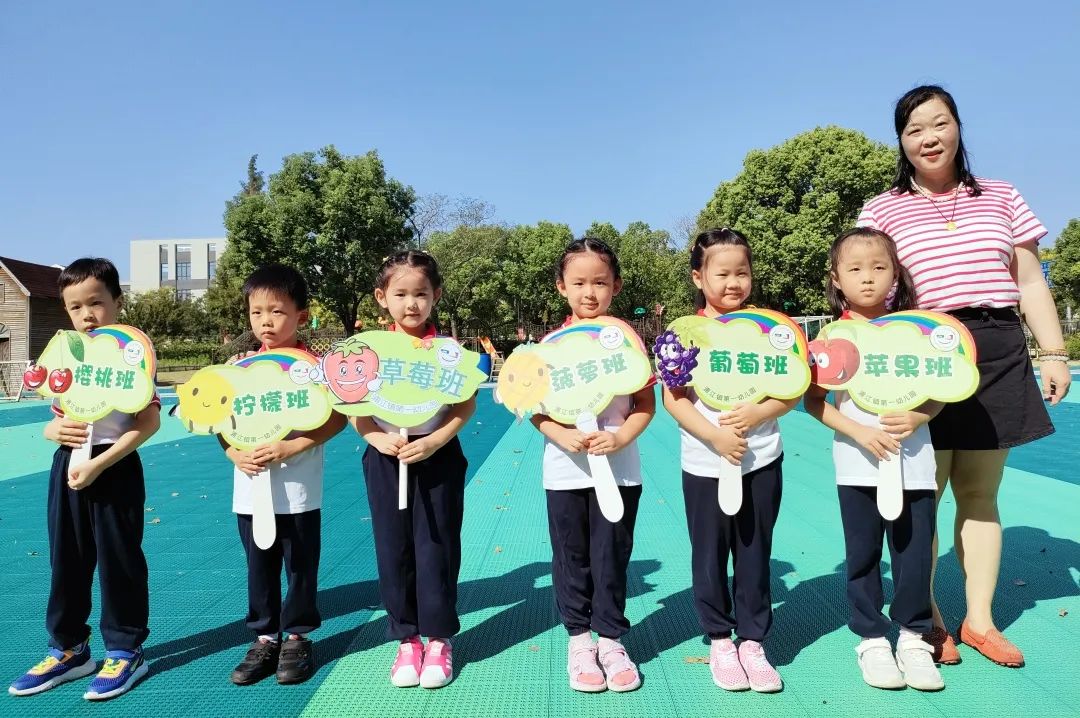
563,471
764,445
109,428
296,484
855,466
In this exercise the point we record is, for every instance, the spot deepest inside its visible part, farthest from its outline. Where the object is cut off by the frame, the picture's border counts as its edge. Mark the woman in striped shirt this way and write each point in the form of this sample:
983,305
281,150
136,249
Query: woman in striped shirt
971,245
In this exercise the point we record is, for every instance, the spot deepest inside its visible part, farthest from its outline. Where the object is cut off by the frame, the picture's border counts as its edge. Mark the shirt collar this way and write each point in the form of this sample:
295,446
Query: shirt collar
429,330
299,345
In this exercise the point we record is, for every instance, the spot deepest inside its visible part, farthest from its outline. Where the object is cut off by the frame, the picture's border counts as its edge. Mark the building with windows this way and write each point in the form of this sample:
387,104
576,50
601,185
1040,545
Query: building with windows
185,265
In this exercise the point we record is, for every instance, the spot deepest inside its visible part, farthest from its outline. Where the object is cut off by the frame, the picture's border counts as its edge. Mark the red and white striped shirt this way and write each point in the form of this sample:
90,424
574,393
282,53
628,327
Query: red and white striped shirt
964,267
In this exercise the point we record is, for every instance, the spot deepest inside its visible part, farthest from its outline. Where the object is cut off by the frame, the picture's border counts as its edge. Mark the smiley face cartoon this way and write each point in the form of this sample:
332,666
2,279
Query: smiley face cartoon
782,337
449,354
351,370
206,399
944,338
610,337
134,353
300,372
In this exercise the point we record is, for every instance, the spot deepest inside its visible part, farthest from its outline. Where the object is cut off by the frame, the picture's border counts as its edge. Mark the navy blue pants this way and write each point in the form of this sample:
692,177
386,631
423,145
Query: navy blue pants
296,548
418,549
911,546
746,538
100,526
589,558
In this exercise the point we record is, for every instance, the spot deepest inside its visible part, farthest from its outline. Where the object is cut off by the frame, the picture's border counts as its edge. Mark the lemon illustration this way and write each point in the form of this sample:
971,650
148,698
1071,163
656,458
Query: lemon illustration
524,382
206,400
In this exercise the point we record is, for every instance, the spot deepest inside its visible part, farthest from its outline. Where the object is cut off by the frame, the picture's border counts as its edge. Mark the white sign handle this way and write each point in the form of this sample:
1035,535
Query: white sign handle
263,525
81,455
403,478
729,487
607,491
890,489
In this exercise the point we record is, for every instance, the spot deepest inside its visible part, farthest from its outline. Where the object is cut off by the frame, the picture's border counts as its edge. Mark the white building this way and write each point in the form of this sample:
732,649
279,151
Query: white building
186,265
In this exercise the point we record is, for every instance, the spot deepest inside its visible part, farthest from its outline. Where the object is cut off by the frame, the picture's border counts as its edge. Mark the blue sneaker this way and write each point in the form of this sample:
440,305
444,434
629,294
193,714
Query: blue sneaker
58,667
122,670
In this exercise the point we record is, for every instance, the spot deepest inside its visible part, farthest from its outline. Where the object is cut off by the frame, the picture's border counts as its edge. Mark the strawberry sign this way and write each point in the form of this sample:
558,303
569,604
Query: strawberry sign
398,378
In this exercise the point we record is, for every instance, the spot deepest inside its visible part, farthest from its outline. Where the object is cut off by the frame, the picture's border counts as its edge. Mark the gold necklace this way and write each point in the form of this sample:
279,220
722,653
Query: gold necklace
950,221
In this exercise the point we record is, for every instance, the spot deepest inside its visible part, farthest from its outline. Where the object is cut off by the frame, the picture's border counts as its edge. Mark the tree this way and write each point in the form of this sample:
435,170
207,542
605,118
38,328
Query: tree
1065,268
438,213
470,260
430,214
224,300
686,228
791,201
254,183
333,217
529,271
162,315
653,270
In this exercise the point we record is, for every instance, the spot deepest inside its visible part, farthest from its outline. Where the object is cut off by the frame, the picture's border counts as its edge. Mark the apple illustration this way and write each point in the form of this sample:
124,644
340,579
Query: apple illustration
350,369
35,376
833,362
59,380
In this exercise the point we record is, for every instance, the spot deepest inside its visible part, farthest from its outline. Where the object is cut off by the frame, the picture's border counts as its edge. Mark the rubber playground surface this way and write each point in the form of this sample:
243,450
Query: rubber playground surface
510,657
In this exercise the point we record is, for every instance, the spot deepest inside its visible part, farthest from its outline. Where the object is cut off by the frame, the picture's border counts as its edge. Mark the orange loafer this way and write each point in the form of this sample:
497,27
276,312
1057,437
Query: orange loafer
945,651
993,645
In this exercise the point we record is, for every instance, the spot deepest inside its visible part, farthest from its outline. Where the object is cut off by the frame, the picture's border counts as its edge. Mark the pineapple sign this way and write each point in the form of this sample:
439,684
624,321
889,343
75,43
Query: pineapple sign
571,376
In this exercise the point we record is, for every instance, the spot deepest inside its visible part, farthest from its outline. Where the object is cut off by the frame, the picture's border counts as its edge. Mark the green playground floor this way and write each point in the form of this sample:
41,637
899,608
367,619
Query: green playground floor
510,655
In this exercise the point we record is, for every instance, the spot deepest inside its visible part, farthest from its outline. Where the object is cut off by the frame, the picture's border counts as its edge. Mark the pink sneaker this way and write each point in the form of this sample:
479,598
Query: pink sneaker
762,676
622,674
438,668
727,672
585,673
405,672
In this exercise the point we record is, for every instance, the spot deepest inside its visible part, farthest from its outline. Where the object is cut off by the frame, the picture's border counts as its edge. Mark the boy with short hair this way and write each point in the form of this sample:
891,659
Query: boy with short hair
277,303
95,517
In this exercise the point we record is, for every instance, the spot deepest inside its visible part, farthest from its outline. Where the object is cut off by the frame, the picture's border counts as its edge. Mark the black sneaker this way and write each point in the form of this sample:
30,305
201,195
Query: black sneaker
297,661
260,662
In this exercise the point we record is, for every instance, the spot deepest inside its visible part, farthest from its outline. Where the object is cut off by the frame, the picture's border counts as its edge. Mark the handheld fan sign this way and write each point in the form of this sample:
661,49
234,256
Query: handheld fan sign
736,358
571,376
91,375
896,363
400,379
259,399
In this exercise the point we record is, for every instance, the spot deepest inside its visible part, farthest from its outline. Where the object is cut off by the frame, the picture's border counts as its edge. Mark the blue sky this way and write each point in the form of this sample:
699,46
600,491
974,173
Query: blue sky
125,120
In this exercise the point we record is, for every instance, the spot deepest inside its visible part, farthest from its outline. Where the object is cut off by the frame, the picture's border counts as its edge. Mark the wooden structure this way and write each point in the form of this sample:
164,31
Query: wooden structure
30,309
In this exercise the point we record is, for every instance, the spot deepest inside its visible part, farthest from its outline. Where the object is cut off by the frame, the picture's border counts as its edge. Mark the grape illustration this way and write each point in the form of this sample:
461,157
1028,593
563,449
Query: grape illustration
675,361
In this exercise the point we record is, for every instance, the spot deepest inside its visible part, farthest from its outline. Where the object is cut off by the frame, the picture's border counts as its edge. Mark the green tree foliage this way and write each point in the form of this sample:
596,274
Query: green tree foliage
162,316
1065,267
654,271
791,201
224,300
474,293
529,271
333,217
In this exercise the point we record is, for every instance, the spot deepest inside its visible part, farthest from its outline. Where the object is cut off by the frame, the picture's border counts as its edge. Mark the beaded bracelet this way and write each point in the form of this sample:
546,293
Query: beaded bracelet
1053,356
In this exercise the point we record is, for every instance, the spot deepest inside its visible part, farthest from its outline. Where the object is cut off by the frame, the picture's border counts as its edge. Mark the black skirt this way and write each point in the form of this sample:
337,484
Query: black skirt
1007,410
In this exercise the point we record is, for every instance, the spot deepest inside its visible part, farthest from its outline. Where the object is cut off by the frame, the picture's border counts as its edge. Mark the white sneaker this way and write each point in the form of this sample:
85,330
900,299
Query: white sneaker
915,657
878,666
